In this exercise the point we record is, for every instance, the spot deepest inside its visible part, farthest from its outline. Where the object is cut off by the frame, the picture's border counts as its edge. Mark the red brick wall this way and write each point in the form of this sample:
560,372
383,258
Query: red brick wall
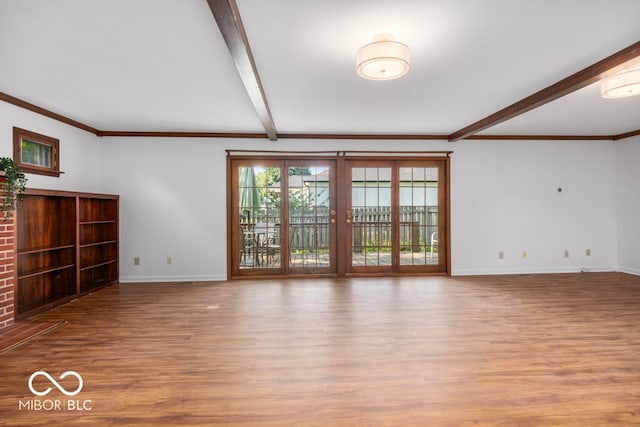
7,269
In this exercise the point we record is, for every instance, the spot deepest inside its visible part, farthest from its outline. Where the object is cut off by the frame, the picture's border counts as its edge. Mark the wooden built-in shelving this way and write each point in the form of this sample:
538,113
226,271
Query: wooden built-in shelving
67,245
97,242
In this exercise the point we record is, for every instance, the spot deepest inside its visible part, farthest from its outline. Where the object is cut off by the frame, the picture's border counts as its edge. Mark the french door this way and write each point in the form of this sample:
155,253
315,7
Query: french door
395,216
283,217
337,216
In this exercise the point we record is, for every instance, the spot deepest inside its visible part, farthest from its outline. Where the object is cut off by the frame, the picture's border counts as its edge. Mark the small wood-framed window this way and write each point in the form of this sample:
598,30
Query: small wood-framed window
36,153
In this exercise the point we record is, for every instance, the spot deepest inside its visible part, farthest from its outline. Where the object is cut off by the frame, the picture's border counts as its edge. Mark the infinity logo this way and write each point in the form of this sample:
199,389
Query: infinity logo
55,383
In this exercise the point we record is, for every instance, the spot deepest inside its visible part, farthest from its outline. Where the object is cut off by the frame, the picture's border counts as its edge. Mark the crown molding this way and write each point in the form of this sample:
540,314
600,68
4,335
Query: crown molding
296,135
48,113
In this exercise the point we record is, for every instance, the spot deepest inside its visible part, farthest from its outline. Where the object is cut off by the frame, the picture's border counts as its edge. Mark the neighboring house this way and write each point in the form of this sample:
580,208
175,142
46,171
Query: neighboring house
369,187
306,190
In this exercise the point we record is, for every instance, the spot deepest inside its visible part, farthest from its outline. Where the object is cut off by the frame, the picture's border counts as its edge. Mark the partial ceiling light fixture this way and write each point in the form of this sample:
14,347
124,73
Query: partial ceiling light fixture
621,85
384,59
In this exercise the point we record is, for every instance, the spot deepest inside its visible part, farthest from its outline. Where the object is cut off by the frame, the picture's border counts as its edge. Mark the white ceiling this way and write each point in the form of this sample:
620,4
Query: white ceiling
162,65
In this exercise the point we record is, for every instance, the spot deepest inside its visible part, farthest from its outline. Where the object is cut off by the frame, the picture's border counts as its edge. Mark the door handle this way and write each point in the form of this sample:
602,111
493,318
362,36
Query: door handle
348,216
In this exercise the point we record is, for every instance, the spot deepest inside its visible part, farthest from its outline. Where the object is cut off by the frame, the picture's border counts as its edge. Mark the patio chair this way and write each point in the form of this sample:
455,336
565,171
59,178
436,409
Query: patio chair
433,241
248,248
267,242
271,246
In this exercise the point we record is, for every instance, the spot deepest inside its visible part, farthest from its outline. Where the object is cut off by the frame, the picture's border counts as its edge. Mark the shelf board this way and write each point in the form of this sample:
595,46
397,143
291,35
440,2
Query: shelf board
48,270
105,242
28,310
35,251
98,265
110,221
92,285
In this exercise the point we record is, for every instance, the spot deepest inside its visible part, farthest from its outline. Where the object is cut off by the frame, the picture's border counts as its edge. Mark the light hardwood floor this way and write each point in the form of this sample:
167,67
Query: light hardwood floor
433,351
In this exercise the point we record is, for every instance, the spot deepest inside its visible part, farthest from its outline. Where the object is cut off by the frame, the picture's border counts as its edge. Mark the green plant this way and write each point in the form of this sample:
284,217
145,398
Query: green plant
14,185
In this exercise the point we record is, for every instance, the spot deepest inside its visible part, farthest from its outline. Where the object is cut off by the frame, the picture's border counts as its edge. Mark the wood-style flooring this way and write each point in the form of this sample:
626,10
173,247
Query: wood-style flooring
21,332
531,350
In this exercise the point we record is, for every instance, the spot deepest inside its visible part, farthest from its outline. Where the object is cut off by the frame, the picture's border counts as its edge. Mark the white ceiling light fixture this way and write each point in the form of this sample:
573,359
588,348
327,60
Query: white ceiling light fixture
621,85
384,59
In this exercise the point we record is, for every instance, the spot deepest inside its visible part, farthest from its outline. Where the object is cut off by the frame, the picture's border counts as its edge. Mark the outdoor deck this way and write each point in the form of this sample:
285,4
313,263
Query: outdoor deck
315,260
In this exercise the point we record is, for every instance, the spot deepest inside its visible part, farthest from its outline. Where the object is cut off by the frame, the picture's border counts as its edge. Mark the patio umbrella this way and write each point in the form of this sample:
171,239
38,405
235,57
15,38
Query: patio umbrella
249,194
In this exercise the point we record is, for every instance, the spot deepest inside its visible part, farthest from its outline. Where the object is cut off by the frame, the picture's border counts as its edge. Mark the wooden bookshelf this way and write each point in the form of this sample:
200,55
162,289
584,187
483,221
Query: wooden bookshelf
97,242
67,245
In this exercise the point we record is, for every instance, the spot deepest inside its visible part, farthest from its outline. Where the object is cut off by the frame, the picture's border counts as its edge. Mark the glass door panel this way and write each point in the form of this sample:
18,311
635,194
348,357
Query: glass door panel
370,217
418,210
311,217
259,211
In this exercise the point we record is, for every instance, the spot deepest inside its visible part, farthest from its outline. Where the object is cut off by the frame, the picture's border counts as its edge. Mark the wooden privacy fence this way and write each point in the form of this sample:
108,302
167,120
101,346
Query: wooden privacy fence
309,228
371,226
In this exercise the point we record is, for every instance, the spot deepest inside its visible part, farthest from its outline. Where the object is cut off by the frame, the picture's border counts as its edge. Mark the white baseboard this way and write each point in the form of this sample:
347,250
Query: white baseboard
462,272
505,271
157,279
633,271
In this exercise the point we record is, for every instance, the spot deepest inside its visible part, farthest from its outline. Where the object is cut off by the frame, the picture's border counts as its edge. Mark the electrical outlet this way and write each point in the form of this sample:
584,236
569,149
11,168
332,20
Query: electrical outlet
524,254
500,255
566,254
169,260
136,260
588,252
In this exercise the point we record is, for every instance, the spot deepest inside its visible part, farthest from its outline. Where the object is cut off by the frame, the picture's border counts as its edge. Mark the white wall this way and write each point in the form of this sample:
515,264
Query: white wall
173,195
505,199
629,205
79,153
173,203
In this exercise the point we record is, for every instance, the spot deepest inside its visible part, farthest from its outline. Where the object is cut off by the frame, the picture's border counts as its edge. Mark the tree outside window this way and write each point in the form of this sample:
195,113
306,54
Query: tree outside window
36,153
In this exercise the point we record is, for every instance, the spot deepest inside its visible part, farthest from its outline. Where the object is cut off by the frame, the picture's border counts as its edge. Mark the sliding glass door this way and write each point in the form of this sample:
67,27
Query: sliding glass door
284,219
394,216
337,216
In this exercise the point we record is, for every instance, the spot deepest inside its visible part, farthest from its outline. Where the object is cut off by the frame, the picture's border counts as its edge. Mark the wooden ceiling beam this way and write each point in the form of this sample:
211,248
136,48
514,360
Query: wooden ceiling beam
583,78
227,16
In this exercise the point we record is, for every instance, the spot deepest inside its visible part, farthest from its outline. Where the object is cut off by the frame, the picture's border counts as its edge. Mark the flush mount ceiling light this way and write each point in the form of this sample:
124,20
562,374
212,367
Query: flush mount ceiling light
623,84
384,59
